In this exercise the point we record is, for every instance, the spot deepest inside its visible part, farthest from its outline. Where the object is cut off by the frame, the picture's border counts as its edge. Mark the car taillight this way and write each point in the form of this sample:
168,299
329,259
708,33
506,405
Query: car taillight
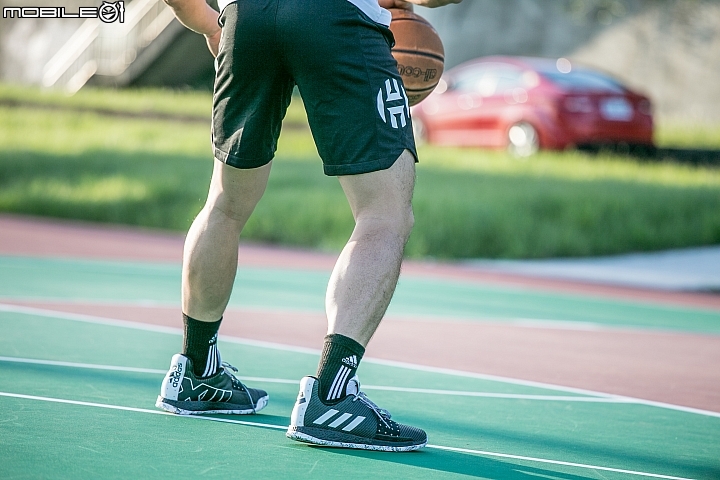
579,105
645,107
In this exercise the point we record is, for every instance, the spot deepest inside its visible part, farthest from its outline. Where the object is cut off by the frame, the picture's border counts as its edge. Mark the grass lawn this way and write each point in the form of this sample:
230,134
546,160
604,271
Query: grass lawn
469,203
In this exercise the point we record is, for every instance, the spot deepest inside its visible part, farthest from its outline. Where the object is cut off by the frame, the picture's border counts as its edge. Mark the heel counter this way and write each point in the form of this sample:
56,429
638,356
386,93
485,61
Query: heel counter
297,418
170,388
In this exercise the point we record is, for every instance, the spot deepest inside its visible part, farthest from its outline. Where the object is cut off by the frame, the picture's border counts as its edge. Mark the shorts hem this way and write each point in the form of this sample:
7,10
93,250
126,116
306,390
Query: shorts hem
366,167
239,162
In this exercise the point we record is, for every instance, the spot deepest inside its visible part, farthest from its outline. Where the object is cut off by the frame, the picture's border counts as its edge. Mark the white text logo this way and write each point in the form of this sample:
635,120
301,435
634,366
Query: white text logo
108,12
388,106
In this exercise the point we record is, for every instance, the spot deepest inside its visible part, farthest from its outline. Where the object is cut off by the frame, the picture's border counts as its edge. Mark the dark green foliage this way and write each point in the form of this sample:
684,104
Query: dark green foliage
154,172
504,216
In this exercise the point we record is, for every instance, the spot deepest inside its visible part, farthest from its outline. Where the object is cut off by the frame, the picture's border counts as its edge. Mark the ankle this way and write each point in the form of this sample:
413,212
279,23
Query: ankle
340,359
200,346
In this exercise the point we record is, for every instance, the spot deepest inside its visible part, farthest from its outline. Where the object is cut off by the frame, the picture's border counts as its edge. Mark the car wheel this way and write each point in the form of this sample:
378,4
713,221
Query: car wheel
419,131
523,140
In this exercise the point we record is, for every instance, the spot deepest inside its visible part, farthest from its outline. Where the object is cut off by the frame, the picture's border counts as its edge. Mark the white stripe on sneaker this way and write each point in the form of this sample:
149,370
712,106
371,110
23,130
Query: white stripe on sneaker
340,420
351,426
326,416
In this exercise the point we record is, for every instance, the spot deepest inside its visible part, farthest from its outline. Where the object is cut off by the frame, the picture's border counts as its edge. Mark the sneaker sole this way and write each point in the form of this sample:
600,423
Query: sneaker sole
294,434
174,407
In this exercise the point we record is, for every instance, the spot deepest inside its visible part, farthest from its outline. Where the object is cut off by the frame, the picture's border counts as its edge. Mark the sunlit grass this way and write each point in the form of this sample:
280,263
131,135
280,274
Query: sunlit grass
468,202
571,165
188,103
688,134
183,103
63,132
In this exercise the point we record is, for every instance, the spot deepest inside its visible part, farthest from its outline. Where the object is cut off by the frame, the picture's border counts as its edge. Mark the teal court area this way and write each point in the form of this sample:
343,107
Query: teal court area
77,391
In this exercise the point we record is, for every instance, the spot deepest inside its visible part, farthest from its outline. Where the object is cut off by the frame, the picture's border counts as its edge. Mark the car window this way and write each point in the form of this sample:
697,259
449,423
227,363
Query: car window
487,79
584,80
508,78
469,79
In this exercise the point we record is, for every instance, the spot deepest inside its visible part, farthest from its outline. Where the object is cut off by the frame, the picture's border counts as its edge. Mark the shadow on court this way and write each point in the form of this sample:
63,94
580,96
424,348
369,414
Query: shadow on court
137,385
463,464
612,452
483,467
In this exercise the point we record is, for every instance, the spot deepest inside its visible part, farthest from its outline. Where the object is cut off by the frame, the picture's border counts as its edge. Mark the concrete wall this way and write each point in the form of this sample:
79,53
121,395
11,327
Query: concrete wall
669,49
27,44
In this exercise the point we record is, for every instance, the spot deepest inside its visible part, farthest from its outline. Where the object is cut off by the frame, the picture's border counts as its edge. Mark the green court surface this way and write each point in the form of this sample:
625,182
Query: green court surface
77,396
299,290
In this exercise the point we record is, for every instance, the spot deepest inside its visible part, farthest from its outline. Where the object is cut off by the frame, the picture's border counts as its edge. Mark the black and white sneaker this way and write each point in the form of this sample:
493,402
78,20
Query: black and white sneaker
354,422
183,393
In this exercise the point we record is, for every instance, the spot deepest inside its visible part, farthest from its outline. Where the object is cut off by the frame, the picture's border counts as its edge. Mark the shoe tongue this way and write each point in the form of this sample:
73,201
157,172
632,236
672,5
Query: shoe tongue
353,386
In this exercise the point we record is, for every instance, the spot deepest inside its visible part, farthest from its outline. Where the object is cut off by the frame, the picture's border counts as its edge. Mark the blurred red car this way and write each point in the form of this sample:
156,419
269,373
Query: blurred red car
524,104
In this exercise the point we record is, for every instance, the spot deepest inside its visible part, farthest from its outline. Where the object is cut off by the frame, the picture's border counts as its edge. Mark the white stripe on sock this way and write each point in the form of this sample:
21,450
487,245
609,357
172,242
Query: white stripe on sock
341,384
333,387
337,384
207,364
211,364
214,362
211,357
215,365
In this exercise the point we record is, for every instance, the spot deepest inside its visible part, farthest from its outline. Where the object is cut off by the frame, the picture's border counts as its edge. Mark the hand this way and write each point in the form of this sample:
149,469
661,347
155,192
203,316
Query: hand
408,4
213,42
434,3
396,4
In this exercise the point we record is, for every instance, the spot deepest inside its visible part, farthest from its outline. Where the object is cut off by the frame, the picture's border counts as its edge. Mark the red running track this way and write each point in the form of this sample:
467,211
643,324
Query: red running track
677,368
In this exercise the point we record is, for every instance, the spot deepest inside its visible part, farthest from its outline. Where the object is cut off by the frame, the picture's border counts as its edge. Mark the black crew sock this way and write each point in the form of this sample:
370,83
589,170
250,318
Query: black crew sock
340,358
200,346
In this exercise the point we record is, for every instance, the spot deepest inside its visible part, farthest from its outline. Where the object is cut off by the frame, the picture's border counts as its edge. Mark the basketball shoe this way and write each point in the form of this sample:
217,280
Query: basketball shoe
353,422
185,394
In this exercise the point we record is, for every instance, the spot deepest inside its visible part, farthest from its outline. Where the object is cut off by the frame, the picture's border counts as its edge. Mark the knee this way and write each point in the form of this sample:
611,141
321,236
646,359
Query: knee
392,225
228,206
406,223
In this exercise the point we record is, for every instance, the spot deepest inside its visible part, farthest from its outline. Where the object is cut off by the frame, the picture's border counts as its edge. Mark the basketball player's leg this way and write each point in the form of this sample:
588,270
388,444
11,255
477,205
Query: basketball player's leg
366,273
247,114
209,266
331,410
211,246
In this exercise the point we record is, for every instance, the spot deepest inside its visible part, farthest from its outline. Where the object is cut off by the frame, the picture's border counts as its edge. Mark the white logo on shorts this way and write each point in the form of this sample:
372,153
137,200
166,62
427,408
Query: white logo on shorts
395,112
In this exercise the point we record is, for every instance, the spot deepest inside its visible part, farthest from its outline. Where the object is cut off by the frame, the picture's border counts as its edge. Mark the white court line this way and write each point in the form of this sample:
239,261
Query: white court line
138,410
278,427
79,317
459,393
289,348
519,322
91,366
554,462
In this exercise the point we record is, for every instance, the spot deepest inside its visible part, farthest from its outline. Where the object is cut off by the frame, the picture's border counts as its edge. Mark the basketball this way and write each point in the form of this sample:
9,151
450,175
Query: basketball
419,53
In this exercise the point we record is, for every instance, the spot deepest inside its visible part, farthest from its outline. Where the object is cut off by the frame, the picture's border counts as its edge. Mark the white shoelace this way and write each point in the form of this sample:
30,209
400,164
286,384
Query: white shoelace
383,414
237,383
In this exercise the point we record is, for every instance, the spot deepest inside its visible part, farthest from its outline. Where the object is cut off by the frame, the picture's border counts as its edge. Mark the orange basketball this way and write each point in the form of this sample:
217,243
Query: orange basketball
419,53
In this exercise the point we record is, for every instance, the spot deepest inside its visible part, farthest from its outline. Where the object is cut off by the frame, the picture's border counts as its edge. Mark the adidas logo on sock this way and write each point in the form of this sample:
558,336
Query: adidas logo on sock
350,361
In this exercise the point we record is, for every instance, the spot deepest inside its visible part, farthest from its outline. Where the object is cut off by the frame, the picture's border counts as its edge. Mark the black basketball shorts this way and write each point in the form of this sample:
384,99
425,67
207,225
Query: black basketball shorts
341,62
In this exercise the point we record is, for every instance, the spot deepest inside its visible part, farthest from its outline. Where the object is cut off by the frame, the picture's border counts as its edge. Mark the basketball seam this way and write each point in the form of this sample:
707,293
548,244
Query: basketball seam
421,54
420,90
406,19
